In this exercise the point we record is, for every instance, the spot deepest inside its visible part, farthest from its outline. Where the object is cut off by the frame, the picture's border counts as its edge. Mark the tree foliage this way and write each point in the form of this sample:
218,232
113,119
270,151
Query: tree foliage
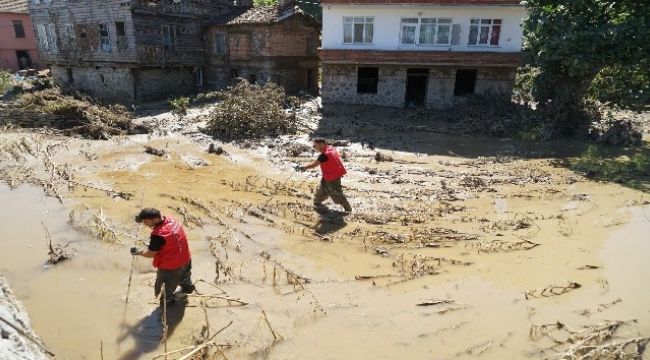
572,41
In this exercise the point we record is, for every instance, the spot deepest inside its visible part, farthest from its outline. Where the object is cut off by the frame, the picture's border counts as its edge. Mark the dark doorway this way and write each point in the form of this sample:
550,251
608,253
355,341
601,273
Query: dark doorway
416,87
24,61
465,82
234,74
310,79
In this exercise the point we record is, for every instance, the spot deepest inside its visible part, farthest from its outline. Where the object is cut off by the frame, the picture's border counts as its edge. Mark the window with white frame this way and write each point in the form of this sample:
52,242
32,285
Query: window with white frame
484,32
358,29
426,31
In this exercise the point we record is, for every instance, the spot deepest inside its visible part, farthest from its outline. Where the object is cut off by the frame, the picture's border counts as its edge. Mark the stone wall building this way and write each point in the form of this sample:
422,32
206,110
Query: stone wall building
262,44
421,53
133,51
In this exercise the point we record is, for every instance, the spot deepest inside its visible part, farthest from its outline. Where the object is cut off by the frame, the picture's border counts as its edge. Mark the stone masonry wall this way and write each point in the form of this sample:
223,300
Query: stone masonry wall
110,84
156,84
339,85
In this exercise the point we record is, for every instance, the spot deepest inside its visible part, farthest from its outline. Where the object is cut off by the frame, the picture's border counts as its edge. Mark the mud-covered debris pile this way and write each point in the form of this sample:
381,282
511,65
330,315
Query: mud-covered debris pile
252,111
75,116
18,340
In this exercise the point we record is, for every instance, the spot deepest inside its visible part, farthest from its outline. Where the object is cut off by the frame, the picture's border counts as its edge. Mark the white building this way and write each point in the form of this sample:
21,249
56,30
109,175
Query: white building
418,52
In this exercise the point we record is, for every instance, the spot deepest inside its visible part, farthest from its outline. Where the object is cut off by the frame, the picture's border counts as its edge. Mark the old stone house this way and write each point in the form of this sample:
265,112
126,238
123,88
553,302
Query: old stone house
419,53
267,43
139,50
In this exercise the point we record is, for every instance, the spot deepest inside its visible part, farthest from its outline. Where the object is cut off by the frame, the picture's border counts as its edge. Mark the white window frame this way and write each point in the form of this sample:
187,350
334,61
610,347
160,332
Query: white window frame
363,20
435,22
490,27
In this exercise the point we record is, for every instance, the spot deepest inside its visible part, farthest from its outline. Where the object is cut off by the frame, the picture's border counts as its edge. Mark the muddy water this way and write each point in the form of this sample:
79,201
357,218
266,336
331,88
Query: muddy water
78,304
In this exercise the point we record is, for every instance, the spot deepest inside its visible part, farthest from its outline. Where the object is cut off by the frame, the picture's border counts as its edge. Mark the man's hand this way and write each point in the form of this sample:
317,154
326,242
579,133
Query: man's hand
136,251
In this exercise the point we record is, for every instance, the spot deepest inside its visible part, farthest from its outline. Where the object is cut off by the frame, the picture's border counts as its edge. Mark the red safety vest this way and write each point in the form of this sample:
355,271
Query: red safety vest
333,168
175,253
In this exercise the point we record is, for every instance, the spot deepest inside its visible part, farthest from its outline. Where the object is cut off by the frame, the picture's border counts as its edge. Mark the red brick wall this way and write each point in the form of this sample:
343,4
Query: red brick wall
420,58
436,2
239,46
291,38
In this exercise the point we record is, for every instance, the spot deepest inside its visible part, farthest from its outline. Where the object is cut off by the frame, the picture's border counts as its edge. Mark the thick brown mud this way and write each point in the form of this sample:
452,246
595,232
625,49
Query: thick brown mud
446,256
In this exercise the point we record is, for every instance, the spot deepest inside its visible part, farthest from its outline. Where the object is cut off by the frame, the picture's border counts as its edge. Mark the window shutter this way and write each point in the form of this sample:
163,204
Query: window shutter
455,34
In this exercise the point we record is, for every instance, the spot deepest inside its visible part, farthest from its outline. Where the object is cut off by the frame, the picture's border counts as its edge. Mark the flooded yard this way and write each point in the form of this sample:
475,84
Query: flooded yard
458,247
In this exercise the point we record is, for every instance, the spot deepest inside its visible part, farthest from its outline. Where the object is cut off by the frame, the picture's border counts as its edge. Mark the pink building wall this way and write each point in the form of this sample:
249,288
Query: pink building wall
9,44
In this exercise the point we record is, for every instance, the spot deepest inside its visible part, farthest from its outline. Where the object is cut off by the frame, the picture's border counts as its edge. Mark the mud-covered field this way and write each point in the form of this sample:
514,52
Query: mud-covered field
458,247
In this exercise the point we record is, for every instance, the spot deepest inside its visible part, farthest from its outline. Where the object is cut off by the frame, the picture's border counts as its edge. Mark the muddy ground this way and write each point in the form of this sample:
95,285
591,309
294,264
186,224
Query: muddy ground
458,247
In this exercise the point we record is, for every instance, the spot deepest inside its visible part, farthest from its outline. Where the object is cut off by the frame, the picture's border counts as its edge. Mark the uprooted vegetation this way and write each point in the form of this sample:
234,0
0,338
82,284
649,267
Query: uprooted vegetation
74,115
498,116
252,111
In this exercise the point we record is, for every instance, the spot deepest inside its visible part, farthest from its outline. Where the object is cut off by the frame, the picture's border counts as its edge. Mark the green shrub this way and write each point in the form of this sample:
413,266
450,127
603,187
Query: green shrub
5,82
252,111
179,106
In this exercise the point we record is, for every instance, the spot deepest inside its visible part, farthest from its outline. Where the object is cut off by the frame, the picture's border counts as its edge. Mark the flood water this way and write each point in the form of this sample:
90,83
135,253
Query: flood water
76,306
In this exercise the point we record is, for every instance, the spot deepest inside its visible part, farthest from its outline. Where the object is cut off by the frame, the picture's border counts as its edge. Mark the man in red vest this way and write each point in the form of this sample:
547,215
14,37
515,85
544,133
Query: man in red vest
170,252
333,170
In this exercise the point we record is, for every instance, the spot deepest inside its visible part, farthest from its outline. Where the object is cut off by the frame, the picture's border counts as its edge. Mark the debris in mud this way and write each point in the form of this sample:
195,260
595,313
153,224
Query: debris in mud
591,343
252,111
217,150
296,149
599,308
616,132
379,157
57,252
50,108
435,302
96,224
194,162
110,192
502,246
552,290
154,151
588,267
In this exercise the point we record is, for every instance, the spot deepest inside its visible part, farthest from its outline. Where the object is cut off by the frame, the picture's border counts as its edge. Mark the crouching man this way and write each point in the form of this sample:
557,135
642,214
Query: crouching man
170,252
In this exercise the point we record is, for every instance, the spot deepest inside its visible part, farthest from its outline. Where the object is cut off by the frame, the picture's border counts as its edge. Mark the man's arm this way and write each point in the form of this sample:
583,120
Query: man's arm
314,164
148,253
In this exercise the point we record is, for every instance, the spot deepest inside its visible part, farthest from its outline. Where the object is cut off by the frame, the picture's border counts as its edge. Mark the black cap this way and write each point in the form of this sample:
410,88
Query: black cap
147,213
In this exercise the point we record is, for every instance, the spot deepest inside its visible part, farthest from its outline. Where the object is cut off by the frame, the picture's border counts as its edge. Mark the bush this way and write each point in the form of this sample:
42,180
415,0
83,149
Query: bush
252,111
5,82
179,106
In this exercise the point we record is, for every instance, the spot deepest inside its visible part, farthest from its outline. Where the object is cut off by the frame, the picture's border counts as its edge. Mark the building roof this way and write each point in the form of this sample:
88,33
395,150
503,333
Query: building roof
14,6
425,2
259,15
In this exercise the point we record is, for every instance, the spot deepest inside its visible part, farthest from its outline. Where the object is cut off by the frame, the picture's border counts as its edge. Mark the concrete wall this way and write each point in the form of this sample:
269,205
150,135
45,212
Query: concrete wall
340,85
387,28
9,43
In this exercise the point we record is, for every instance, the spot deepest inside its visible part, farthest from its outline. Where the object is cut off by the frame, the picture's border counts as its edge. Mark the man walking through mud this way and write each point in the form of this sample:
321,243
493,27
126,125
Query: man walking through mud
333,170
170,252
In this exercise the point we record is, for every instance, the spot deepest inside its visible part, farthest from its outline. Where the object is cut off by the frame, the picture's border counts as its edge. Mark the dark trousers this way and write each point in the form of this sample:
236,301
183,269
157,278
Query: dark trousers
172,279
331,189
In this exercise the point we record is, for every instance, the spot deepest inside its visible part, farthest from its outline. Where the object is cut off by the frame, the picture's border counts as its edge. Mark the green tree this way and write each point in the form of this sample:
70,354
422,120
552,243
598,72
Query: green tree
572,41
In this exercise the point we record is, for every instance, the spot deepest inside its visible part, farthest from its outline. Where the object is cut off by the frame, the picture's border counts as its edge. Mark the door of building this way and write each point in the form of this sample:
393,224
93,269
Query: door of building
416,87
24,61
